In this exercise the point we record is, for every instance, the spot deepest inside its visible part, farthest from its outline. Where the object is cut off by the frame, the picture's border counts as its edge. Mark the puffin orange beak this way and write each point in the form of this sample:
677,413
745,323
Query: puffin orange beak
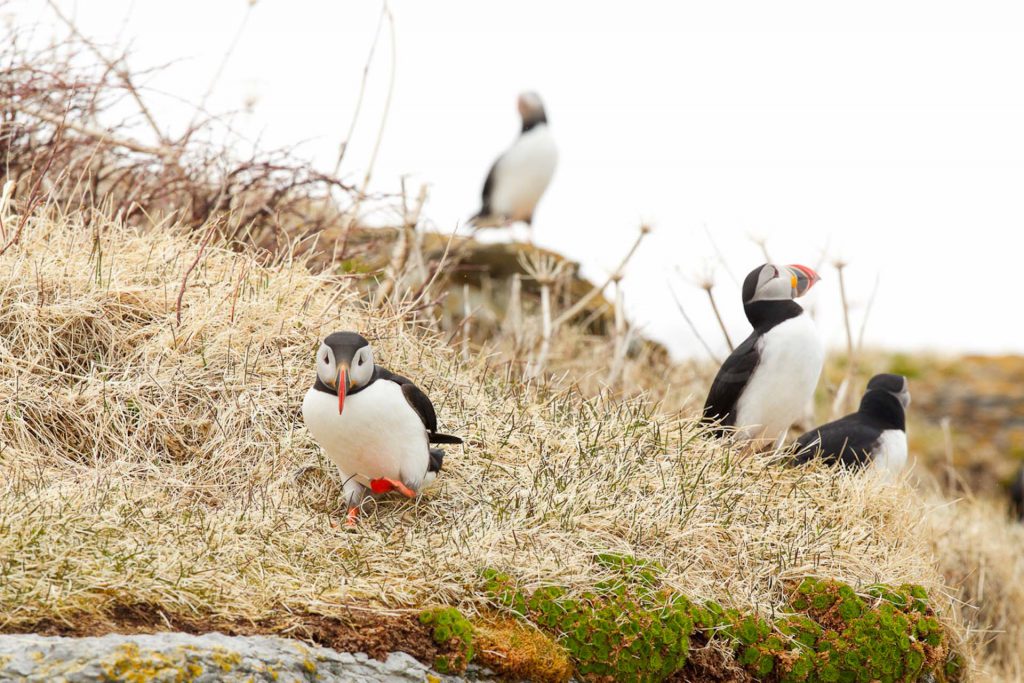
342,387
803,278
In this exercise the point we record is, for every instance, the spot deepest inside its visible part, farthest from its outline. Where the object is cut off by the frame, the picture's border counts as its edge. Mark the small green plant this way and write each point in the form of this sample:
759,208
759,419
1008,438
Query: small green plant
451,630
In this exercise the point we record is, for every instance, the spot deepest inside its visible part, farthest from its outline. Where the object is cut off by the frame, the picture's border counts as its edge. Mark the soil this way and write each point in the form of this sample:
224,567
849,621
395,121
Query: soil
374,633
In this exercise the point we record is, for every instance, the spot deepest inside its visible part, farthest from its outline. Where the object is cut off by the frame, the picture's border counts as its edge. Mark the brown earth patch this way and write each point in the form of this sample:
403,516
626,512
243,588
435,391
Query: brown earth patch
359,630
710,663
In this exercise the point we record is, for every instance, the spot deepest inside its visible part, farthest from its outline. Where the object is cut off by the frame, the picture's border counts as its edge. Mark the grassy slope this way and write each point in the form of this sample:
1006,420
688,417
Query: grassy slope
146,462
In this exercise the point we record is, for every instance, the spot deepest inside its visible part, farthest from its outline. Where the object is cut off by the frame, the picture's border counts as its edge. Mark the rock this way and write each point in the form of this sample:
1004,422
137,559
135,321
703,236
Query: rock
207,658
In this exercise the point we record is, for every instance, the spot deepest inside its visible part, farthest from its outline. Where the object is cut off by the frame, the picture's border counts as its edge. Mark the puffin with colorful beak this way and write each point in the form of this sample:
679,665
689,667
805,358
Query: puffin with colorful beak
764,386
376,426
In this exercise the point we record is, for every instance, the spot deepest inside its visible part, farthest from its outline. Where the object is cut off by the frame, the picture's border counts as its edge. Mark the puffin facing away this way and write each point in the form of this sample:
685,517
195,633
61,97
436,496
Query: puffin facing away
875,435
520,176
765,384
376,426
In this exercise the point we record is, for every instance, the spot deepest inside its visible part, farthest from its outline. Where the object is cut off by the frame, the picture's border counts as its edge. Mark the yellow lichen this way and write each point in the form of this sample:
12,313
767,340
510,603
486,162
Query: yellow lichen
225,660
131,665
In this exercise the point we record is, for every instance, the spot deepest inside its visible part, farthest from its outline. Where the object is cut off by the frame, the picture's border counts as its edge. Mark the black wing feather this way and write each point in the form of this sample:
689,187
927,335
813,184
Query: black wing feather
422,405
485,196
732,377
848,441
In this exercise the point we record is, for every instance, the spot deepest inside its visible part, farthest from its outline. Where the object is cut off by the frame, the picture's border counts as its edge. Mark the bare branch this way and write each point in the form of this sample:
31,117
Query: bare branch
576,308
693,328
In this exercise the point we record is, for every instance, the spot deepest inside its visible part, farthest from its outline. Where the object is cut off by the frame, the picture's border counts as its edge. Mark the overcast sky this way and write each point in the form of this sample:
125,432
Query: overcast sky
890,132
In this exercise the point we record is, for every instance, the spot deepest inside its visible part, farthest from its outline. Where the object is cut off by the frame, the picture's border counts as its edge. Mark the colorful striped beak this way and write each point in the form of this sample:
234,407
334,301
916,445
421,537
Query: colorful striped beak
802,279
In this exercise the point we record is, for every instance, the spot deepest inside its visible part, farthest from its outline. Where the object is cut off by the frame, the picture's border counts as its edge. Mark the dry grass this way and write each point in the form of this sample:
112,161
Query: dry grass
147,462
979,551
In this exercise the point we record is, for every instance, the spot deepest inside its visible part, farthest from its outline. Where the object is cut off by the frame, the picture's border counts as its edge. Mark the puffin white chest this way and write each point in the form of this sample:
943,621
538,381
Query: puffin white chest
791,357
523,173
890,452
378,435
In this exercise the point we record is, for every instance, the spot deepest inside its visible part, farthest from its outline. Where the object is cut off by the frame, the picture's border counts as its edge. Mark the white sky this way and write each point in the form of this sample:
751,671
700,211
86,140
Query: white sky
891,131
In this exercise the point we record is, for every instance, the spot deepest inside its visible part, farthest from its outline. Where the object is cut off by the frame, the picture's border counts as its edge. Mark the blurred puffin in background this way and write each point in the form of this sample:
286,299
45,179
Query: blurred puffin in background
520,176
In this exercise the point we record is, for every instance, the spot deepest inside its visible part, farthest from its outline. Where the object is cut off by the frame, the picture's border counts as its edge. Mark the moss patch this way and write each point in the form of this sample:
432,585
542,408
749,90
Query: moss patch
630,628
519,652
452,631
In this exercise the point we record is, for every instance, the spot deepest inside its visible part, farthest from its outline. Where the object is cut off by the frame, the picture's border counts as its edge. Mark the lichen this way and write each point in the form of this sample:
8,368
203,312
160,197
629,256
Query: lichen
131,665
453,631
630,628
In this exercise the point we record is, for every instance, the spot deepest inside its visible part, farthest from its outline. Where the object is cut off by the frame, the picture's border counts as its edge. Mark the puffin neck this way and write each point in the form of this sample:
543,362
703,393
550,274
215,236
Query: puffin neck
764,315
884,408
530,124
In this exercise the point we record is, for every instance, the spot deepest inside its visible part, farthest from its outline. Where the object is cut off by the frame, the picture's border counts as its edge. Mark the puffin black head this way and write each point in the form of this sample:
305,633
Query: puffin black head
344,364
886,400
897,385
769,282
532,110
769,290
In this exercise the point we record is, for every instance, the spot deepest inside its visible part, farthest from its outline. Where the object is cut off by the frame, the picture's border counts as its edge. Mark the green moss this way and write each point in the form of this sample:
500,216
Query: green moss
451,630
629,628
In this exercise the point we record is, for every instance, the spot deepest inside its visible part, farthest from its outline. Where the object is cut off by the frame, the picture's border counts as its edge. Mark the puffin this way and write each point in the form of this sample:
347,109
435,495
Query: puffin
376,426
1017,494
519,177
875,436
763,387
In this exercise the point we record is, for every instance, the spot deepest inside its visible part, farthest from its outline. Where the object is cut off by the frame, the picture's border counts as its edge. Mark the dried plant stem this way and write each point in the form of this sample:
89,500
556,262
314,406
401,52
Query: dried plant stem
5,200
467,316
513,322
841,403
403,246
113,65
192,266
547,330
720,255
220,70
693,328
718,316
99,134
622,338
576,308
353,212
947,444
343,147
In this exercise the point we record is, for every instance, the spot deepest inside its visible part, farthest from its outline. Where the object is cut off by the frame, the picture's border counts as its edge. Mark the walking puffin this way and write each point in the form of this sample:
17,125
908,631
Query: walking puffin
874,436
519,177
765,384
376,426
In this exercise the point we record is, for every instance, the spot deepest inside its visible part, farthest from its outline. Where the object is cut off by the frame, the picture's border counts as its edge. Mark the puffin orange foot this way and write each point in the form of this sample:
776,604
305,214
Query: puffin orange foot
384,485
350,519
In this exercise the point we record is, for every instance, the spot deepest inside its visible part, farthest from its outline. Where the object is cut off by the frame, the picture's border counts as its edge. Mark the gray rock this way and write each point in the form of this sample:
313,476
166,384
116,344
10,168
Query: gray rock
210,658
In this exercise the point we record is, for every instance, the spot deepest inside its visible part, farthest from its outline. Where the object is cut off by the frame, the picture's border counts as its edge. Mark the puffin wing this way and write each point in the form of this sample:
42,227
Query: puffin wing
848,440
485,197
415,397
732,377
